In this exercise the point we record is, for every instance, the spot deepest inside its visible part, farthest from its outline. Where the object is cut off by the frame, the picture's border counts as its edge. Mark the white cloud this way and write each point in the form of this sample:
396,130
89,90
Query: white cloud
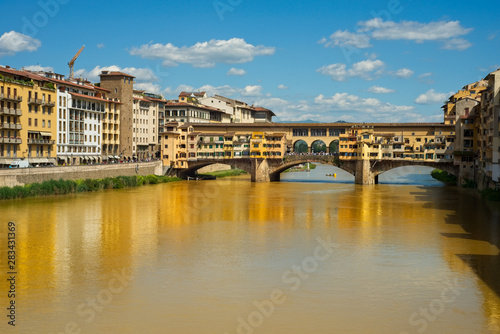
457,44
338,72
100,45
366,69
174,93
412,30
236,71
347,102
426,78
12,42
432,97
346,38
37,68
225,90
380,90
148,87
447,32
140,74
404,73
204,54
252,90
281,86
340,107
424,75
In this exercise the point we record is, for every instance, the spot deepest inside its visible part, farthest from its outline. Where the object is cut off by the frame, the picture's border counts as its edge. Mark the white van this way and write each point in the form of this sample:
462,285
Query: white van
19,164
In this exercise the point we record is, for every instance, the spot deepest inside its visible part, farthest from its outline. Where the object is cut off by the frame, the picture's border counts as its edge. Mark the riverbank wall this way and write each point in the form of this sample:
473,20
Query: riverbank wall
22,176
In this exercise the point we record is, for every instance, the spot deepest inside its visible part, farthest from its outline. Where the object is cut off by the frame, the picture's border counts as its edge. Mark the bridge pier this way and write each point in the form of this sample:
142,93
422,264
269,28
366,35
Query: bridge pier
260,171
363,174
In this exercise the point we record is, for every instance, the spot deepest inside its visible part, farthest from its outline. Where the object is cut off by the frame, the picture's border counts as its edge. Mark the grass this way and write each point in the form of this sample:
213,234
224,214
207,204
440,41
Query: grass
226,173
62,187
443,176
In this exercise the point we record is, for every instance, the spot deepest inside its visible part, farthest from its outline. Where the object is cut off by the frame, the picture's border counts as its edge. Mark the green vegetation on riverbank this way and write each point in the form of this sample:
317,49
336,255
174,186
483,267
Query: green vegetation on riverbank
300,169
443,176
62,187
226,173
491,194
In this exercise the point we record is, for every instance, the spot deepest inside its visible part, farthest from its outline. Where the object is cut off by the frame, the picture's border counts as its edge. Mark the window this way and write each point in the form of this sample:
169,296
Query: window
36,121
300,132
29,121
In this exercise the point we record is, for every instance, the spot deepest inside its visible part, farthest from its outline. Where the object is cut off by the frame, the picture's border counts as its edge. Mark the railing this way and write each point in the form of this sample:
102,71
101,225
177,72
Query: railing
11,97
13,126
34,101
48,103
7,140
14,112
41,141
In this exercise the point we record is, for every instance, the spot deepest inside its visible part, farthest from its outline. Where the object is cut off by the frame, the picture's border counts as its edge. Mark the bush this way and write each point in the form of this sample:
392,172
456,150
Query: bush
443,176
140,180
491,194
152,179
470,184
61,187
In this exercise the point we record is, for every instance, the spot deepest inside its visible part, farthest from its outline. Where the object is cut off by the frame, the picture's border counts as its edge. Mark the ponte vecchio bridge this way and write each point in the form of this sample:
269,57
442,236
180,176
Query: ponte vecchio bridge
265,150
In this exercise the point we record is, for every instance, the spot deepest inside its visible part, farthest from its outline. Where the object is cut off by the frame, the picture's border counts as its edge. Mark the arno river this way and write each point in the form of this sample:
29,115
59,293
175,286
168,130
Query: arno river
310,254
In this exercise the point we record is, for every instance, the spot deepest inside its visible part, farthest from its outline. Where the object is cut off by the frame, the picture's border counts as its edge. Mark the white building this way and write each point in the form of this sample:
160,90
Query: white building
145,126
80,110
236,111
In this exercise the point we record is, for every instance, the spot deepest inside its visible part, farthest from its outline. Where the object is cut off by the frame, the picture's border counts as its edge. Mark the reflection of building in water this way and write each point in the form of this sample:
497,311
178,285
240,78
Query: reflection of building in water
36,251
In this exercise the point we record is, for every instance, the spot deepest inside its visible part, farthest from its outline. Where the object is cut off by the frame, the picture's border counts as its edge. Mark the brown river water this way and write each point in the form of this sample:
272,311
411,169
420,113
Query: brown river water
309,254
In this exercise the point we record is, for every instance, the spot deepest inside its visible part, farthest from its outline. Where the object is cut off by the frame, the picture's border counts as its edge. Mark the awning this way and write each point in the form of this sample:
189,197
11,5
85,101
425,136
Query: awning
111,157
51,161
117,157
35,132
46,134
63,158
38,160
4,162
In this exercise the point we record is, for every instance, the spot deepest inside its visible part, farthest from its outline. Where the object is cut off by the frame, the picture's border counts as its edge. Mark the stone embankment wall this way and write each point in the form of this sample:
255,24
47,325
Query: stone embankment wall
22,176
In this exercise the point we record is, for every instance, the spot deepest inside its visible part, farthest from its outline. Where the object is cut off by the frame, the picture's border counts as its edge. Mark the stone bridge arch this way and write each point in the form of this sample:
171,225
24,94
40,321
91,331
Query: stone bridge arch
381,166
194,166
294,160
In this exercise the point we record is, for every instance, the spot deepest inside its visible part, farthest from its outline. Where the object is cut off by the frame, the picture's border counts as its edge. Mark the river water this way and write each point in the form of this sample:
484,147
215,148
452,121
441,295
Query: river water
309,254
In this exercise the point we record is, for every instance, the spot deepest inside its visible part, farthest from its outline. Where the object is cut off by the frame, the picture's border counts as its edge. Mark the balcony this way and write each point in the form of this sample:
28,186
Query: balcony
9,97
34,101
41,141
48,103
13,112
7,140
12,126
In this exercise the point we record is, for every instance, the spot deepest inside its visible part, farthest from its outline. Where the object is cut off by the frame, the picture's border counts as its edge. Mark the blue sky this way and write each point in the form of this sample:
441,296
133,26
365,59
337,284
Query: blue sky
373,61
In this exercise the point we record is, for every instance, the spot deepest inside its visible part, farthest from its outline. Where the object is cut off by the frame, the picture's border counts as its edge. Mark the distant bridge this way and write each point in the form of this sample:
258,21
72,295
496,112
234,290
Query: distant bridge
365,171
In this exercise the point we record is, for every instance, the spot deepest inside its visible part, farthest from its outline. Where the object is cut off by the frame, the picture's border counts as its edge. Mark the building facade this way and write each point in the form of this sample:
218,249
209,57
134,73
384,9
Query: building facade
27,118
121,88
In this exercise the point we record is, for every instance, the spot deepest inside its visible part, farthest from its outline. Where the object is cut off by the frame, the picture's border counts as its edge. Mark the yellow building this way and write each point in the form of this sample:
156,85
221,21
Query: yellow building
27,118
258,147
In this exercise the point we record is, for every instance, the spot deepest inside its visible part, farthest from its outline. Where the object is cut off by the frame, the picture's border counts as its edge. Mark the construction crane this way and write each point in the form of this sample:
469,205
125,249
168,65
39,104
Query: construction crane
72,62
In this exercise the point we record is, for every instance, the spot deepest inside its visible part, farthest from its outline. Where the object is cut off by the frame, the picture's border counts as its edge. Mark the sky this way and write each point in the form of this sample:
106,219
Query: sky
325,61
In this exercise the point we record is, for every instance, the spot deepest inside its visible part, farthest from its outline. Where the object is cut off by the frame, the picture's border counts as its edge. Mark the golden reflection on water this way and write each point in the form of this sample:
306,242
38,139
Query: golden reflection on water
200,253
